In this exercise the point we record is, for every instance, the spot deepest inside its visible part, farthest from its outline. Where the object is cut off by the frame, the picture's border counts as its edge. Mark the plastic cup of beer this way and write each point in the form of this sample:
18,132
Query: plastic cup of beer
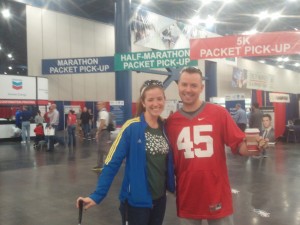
251,138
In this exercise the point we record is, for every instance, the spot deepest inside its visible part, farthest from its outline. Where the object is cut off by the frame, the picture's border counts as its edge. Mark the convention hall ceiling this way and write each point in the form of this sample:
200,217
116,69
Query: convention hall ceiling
231,17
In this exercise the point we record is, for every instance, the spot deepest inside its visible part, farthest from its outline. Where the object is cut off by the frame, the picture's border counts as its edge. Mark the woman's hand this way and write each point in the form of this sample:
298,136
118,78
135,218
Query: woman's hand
87,202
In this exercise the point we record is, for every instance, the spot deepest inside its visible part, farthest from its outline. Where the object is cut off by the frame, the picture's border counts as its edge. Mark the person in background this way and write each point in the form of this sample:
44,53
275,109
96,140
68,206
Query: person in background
46,117
198,133
38,118
85,122
54,122
91,120
71,127
26,116
255,117
143,145
102,135
78,127
39,134
240,117
47,121
18,118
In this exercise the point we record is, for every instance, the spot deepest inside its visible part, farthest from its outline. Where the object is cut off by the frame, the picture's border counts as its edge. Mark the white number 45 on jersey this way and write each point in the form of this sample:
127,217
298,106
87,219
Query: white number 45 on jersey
184,141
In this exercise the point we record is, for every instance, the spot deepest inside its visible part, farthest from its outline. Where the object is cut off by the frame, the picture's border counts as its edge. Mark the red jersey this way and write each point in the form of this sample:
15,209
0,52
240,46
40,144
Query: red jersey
46,118
39,130
71,119
203,189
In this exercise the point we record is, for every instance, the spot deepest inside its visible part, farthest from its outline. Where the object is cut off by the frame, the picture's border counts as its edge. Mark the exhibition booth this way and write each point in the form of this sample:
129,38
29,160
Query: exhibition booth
18,91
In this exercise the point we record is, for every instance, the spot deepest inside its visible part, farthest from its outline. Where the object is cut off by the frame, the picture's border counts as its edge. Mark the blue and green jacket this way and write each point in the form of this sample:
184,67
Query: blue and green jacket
131,144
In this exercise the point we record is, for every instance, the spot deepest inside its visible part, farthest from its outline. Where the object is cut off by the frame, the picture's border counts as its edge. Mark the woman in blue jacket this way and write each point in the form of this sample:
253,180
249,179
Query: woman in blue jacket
149,166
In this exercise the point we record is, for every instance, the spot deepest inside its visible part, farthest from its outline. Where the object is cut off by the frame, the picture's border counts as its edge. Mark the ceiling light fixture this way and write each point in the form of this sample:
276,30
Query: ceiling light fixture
228,1
263,15
297,64
210,21
145,1
286,59
194,21
250,32
206,2
279,59
5,13
275,16
9,55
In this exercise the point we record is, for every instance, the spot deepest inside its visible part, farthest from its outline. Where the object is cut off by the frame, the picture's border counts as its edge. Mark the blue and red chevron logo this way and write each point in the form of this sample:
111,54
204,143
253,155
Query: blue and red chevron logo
17,84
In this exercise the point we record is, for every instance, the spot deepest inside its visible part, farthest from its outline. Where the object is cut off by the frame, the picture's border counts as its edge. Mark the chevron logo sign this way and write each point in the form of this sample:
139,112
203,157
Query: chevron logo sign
17,84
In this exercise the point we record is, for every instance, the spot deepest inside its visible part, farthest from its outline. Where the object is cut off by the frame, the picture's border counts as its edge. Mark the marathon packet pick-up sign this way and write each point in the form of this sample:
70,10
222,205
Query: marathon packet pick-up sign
78,65
153,59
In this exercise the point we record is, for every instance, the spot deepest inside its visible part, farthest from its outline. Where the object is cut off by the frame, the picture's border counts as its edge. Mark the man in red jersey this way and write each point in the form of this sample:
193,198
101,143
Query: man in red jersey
198,133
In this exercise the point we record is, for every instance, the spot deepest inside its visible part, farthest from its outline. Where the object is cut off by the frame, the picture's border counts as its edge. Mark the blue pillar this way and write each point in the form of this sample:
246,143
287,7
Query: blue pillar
211,82
123,80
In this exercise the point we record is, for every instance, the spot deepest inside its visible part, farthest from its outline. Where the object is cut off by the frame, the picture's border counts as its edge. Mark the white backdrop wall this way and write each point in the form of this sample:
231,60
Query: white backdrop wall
224,86
285,81
52,35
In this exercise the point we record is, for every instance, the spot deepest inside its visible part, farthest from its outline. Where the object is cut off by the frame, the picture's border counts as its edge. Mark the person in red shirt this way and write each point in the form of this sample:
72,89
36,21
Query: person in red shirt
198,133
46,118
39,134
71,127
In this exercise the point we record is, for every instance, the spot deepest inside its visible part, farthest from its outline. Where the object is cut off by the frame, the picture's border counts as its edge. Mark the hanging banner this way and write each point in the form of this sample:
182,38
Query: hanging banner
260,81
275,43
279,97
78,65
153,59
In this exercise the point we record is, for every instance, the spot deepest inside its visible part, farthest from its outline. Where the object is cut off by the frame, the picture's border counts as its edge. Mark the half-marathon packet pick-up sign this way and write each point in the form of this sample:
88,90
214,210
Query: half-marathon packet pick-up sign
78,65
153,59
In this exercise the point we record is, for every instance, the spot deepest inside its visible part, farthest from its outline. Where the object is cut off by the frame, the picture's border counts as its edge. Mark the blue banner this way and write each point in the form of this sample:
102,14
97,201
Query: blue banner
78,65
117,109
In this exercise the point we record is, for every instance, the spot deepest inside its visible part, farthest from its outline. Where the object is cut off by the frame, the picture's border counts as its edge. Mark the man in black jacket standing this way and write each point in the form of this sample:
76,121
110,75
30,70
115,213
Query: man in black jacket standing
85,122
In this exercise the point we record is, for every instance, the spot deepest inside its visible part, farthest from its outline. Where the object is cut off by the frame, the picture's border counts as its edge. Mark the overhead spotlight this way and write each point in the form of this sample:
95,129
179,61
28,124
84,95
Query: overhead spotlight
10,68
5,13
275,16
250,32
262,61
210,21
145,1
9,55
281,66
0,48
206,2
194,21
297,64
263,15
286,59
279,59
